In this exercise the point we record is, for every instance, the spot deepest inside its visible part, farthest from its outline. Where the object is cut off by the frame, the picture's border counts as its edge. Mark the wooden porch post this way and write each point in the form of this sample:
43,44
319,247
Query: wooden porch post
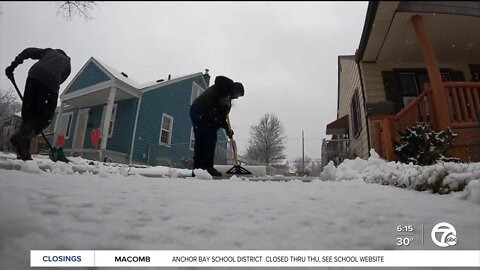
388,136
377,130
440,99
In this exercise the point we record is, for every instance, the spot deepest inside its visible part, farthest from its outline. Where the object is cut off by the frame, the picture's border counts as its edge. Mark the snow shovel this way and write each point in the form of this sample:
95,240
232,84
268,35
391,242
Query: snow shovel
236,169
54,154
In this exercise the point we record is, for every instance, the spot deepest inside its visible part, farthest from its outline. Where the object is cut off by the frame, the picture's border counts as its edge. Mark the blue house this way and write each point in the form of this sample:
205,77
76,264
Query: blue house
138,123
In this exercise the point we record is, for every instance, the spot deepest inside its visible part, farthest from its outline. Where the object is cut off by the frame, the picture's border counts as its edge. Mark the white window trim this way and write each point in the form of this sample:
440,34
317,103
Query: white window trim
196,91
68,127
169,143
112,119
76,124
192,138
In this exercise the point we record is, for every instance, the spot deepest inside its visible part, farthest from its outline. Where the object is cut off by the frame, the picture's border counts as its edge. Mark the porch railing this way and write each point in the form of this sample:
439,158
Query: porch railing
464,99
464,103
464,111
418,110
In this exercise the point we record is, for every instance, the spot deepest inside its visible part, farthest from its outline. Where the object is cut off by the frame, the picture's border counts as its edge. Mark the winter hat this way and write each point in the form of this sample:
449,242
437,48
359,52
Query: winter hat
223,80
238,87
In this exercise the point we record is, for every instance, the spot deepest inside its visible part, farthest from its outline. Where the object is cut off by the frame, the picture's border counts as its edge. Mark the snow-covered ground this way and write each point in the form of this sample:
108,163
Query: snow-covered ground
350,207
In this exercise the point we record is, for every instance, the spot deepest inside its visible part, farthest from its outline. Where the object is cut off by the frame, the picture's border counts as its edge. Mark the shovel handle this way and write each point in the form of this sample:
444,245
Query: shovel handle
233,144
12,79
229,127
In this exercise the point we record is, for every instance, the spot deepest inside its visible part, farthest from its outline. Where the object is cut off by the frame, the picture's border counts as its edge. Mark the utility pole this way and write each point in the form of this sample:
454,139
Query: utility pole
303,152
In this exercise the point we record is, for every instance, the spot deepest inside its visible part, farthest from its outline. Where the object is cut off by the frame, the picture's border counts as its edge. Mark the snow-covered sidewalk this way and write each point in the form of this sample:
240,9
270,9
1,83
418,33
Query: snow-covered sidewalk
60,210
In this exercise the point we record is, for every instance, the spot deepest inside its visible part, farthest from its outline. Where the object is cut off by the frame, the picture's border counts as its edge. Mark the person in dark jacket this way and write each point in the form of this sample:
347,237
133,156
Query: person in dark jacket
41,93
208,113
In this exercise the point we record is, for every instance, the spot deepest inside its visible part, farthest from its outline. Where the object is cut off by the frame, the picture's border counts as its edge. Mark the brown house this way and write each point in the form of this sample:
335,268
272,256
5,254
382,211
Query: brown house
418,61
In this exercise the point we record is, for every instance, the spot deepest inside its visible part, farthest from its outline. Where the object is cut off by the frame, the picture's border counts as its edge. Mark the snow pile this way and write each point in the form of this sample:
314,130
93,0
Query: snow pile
31,166
473,191
103,172
202,175
442,178
328,171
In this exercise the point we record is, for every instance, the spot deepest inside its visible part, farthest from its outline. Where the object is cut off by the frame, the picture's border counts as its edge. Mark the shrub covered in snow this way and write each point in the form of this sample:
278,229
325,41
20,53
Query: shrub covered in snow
422,146
440,178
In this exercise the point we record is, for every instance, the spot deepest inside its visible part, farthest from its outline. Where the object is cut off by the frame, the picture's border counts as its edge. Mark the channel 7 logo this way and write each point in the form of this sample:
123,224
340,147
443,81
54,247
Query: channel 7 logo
447,233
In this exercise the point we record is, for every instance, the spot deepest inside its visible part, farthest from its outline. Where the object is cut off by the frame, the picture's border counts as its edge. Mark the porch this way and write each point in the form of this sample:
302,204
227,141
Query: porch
439,38
461,115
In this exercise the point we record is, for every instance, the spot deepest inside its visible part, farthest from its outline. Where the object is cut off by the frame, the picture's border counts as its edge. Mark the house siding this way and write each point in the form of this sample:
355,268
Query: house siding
123,126
174,100
349,84
91,75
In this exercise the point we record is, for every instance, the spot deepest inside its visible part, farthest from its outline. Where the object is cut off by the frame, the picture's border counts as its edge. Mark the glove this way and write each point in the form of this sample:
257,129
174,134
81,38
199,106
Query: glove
9,71
229,132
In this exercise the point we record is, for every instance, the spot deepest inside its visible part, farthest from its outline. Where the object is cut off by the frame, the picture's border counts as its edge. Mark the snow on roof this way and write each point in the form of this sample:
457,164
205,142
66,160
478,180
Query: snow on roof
152,85
117,74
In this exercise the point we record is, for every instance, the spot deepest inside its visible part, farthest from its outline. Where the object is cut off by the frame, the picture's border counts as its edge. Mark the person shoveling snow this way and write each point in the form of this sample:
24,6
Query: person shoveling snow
40,96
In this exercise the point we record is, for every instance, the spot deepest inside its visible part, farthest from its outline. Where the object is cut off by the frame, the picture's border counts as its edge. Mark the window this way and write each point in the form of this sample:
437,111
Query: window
355,113
65,124
197,90
408,87
192,139
166,129
412,83
112,119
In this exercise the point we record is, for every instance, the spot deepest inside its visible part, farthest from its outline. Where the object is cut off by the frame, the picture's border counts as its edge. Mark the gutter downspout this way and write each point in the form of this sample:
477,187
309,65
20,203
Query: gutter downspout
135,129
367,124
367,29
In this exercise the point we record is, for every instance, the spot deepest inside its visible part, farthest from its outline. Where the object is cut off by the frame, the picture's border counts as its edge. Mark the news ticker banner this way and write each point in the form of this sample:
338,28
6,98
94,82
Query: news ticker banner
254,258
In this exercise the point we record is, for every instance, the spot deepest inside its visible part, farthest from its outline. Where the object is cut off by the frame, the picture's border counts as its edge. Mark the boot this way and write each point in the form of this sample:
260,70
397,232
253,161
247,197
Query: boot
22,146
213,172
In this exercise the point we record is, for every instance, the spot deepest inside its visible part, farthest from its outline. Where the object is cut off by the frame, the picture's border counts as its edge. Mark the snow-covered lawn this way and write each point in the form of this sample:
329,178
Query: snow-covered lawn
116,210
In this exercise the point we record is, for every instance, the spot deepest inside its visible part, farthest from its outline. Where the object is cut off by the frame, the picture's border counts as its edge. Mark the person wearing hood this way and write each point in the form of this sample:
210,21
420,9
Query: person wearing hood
41,93
208,113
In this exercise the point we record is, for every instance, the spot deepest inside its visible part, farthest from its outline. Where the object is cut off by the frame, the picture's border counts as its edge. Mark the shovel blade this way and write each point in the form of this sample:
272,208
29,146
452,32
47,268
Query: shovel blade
57,154
237,169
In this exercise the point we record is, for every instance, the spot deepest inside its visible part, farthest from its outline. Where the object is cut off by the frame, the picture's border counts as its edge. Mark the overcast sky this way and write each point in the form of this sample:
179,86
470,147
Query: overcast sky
285,53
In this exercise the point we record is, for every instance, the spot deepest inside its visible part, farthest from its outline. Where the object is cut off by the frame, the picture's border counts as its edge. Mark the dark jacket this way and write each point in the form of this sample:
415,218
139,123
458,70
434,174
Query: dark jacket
215,103
52,69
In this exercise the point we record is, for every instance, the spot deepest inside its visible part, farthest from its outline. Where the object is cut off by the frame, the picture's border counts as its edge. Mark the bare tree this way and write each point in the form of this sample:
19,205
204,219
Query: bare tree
9,103
68,9
266,143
